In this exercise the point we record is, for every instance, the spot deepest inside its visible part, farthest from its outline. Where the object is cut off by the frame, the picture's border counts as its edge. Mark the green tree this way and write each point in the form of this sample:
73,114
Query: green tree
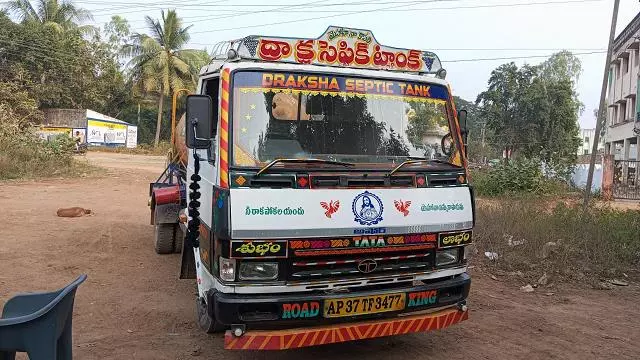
160,64
503,108
60,71
117,35
58,15
533,110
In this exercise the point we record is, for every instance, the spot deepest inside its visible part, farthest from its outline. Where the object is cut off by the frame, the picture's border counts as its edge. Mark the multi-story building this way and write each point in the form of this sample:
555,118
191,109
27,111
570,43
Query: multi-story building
621,130
587,136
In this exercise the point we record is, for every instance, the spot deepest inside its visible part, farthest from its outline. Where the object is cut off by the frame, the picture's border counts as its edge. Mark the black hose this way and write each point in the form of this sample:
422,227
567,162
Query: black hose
193,228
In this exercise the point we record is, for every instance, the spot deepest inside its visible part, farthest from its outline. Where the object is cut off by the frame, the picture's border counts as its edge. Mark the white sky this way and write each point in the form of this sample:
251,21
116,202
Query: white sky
539,27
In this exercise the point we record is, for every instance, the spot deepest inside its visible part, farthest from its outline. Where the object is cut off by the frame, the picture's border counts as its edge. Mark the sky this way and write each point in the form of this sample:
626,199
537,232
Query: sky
464,33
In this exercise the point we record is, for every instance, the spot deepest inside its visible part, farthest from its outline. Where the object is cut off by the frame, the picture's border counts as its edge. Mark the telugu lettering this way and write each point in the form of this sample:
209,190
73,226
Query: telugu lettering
274,50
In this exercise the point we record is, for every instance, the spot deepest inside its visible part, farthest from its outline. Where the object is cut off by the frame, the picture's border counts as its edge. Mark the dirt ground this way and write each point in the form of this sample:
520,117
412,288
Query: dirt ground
133,306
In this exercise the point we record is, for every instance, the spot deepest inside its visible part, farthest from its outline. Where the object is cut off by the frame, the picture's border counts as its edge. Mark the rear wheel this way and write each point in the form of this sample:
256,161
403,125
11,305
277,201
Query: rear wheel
164,238
205,321
178,240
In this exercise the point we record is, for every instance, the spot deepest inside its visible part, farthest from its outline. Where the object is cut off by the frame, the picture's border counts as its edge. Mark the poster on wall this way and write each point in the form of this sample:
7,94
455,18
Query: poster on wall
106,132
132,136
49,133
80,134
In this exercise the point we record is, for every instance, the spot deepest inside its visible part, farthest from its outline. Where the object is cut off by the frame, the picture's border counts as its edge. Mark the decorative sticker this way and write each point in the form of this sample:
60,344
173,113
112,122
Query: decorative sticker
371,241
454,239
273,211
257,249
442,207
367,208
336,85
331,208
302,310
422,298
402,206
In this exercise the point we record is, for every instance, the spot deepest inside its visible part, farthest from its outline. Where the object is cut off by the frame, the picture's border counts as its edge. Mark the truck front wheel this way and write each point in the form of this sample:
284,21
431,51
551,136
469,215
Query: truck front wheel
205,320
164,237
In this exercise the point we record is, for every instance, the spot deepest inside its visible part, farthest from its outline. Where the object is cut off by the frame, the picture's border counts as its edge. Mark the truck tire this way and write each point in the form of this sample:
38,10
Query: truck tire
164,238
205,321
178,240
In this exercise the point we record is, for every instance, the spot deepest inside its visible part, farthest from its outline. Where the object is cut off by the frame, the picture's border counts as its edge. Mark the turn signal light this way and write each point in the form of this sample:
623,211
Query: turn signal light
303,181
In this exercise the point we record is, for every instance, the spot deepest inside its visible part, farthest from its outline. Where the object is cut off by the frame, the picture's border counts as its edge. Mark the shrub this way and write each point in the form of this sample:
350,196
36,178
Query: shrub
24,155
523,176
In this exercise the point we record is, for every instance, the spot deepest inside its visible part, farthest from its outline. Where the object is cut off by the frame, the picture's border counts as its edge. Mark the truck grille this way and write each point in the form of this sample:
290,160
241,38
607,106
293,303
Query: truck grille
345,266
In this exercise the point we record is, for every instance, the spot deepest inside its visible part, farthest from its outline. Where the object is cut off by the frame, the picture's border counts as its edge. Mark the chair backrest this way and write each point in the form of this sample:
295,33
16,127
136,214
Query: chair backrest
67,293
61,303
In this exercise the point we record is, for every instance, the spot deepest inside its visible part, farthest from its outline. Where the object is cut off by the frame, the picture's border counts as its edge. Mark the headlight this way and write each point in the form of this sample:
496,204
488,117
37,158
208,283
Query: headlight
258,271
447,257
227,269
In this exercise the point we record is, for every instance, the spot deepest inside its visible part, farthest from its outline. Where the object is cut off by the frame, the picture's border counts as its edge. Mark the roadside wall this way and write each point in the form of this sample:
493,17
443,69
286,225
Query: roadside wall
70,118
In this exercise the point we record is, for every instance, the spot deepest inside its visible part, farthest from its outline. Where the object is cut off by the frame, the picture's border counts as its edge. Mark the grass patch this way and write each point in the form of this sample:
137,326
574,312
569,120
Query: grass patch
559,239
143,149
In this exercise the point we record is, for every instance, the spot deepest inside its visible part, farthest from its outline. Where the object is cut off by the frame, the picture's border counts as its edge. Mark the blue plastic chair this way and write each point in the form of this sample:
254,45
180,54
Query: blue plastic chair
39,324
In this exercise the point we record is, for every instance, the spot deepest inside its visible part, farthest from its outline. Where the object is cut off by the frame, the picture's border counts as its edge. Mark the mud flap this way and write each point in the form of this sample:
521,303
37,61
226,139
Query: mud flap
188,262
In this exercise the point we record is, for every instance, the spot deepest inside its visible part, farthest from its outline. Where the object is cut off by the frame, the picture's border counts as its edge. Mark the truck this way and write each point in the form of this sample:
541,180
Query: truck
322,193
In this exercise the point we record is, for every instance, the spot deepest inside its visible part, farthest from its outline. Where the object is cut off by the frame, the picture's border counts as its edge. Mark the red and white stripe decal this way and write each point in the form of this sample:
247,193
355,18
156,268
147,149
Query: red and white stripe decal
224,130
297,338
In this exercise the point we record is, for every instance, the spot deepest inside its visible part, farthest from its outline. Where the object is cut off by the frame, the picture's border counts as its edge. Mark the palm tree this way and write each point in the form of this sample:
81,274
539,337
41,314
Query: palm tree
159,63
58,15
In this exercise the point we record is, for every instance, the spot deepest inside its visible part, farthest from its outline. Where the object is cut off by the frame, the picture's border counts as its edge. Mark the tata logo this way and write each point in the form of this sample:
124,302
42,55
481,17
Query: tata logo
369,242
454,239
367,266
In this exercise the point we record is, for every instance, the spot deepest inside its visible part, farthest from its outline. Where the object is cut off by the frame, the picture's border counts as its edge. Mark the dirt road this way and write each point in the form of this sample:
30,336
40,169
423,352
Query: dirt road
134,307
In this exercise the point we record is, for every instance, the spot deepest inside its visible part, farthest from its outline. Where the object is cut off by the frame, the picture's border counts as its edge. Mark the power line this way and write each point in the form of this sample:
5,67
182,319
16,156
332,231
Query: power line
521,57
309,8
393,7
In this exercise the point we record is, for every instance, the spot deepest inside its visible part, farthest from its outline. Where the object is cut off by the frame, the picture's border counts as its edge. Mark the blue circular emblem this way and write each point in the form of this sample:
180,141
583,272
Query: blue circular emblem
367,208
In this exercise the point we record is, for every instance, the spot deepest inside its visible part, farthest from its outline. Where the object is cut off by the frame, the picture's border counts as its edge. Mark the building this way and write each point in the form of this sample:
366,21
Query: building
90,126
586,144
622,127
622,113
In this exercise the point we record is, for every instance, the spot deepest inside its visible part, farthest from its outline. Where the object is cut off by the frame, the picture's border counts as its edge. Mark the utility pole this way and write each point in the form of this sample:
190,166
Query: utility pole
601,108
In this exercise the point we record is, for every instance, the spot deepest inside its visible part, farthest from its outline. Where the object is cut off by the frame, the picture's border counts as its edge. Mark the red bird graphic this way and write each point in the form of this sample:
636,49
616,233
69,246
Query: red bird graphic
331,207
403,207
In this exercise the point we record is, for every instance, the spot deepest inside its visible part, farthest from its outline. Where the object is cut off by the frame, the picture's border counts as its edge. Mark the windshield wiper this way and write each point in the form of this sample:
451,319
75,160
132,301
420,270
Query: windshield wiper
417,160
317,161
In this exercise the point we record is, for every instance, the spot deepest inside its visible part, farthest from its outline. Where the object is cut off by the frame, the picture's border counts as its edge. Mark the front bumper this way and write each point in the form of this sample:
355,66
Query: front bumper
330,334
269,311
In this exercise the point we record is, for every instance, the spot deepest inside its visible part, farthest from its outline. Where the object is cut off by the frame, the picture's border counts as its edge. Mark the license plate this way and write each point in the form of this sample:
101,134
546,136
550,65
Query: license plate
363,305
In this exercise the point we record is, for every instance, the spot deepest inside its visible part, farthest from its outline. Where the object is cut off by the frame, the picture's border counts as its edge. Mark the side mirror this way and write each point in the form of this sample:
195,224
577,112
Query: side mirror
462,119
199,122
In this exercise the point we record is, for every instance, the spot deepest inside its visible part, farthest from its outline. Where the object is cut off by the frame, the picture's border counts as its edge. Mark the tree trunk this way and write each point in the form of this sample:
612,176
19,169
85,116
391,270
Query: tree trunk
159,121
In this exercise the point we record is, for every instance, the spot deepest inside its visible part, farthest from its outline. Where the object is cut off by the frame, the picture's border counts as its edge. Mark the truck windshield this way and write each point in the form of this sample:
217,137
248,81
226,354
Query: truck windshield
350,119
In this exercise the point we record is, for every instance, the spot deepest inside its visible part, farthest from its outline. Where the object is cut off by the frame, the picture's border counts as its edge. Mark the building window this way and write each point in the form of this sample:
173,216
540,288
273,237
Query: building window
623,112
636,55
585,152
586,139
625,64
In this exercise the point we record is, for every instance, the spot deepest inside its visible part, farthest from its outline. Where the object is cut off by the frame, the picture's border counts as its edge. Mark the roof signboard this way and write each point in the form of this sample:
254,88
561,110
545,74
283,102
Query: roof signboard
339,46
